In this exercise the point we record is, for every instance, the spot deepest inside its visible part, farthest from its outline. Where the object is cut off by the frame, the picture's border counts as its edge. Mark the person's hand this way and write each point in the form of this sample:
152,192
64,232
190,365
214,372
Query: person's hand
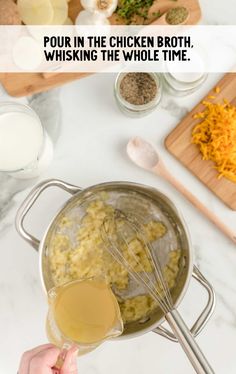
42,359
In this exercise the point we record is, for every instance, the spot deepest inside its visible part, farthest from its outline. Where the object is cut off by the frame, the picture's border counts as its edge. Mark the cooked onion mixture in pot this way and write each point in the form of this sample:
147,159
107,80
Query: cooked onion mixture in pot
85,257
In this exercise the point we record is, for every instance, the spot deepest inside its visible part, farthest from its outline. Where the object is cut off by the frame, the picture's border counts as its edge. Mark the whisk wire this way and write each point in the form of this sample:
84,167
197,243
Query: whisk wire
160,287
158,273
113,233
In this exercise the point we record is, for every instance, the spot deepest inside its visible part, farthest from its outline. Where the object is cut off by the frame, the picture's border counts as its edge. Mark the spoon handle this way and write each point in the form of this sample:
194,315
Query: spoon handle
197,203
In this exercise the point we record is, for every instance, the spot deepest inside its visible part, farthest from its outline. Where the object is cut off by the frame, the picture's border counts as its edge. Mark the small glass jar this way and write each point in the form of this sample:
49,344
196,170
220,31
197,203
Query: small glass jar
133,110
180,84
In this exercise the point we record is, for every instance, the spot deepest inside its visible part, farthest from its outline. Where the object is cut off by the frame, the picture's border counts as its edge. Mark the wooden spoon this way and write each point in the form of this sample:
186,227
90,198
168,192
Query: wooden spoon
161,21
145,156
165,5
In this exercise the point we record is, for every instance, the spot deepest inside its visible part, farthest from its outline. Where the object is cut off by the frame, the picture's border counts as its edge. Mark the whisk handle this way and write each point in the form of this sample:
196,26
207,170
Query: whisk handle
189,345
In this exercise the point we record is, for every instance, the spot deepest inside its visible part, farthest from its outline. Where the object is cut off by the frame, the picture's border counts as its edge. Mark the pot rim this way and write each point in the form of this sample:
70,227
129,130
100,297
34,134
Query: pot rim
169,201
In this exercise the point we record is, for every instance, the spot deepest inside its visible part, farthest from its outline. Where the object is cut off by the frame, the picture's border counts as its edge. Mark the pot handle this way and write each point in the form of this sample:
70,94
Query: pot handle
29,202
204,316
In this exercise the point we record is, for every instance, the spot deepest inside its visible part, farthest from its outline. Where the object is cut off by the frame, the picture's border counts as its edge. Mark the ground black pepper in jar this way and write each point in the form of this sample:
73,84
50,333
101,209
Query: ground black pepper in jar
138,88
138,93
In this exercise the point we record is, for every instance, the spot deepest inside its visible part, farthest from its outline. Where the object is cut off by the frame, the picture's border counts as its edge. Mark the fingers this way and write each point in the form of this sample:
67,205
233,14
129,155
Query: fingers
43,361
70,363
40,360
28,355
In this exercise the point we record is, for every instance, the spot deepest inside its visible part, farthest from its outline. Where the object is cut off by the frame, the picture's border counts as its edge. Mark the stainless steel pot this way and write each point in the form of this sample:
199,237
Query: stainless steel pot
154,323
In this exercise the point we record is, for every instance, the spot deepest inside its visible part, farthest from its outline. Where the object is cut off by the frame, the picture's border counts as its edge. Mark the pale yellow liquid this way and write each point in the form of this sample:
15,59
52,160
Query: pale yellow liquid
86,311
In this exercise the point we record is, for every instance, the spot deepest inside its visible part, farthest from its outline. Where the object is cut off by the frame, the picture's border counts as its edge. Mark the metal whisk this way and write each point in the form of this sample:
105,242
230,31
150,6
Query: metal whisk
117,230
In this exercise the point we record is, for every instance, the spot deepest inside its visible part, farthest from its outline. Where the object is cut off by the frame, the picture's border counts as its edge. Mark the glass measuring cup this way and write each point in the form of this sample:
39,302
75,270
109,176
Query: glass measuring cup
92,320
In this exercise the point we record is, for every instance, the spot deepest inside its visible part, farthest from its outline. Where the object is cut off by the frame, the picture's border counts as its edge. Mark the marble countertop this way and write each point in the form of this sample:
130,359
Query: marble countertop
90,150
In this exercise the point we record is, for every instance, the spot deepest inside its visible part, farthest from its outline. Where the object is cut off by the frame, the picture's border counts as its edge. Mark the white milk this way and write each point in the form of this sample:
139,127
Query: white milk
187,77
193,71
21,138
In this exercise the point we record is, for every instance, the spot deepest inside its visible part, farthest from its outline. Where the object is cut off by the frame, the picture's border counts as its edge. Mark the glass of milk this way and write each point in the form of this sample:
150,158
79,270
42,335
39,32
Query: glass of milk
181,79
25,148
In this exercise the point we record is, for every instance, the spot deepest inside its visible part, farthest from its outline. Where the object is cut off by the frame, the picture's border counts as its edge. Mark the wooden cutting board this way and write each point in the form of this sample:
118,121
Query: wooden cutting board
179,144
23,84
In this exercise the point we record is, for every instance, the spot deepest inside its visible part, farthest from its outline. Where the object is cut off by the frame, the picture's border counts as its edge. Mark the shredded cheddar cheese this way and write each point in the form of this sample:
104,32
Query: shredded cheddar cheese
215,135
211,97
